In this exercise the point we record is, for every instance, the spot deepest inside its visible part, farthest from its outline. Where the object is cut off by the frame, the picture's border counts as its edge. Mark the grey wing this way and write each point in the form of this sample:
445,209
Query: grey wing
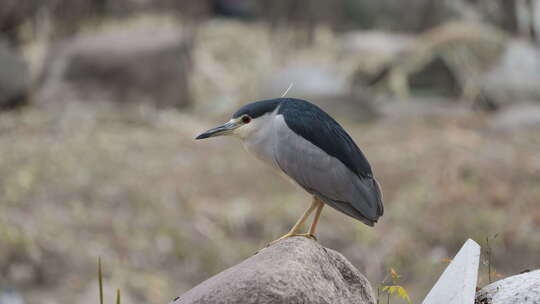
326,177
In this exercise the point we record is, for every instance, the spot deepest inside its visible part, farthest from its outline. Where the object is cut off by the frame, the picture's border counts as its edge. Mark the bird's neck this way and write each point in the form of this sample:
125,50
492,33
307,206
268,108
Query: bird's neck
260,142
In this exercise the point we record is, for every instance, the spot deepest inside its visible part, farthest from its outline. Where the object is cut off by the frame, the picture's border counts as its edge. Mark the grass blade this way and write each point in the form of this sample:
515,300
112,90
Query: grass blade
118,296
100,279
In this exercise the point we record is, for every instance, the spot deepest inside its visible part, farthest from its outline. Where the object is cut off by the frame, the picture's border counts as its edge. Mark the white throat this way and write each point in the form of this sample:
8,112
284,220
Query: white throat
258,137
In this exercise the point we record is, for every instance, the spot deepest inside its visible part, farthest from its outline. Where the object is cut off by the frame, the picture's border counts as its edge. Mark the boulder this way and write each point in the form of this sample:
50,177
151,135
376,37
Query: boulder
309,81
295,270
371,50
140,63
447,60
516,76
14,78
519,289
324,87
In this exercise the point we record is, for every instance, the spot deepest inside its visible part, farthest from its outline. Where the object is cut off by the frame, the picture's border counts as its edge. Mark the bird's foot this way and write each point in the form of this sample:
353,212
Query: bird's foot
288,235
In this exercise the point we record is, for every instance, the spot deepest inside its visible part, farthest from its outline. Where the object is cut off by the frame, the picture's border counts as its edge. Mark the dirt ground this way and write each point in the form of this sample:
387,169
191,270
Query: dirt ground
163,211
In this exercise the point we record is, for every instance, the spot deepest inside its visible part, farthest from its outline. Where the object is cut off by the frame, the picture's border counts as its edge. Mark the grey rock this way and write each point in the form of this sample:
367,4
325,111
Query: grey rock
14,77
517,117
516,76
457,284
295,270
324,87
145,63
447,60
369,51
519,289
309,81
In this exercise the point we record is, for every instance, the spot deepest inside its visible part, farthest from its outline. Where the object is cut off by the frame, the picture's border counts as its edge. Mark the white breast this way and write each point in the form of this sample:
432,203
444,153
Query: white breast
260,137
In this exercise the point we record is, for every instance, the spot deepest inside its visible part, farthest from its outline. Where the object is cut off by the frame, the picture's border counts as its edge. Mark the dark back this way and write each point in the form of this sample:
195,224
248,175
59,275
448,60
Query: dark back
319,128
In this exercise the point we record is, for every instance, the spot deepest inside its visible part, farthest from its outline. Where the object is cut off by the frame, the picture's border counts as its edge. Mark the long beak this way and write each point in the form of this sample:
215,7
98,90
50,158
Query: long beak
224,129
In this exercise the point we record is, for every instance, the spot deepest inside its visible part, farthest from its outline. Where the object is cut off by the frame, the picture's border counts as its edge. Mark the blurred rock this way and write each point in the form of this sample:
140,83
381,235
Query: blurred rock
14,78
516,76
309,81
519,289
372,49
322,86
295,270
143,63
517,117
447,60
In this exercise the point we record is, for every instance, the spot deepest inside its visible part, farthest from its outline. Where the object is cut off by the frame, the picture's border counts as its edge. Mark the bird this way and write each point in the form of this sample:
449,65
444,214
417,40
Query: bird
311,149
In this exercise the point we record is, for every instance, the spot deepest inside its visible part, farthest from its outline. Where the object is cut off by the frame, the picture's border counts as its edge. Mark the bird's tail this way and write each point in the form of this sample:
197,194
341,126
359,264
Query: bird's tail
368,209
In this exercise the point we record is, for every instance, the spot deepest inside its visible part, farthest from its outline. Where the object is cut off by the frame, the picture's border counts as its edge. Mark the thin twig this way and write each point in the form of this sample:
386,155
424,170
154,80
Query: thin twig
489,258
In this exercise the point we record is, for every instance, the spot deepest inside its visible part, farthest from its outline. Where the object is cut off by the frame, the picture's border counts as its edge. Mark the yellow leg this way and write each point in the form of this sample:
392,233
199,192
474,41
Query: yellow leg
299,223
315,205
313,226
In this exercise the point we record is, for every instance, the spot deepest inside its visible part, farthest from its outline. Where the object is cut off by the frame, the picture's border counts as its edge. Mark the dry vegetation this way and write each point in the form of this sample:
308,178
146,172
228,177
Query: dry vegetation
165,212
128,183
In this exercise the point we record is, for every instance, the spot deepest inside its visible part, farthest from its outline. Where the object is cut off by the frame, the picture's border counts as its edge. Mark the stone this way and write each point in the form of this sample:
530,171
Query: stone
457,284
516,76
295,270
309,81
447,60
519,289
135,63
322,86
371,50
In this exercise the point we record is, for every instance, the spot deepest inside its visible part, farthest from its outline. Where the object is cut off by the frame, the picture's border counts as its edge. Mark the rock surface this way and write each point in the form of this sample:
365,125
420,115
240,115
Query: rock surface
146,63
519,289
322,86
295,270
457,284
515,78
309,81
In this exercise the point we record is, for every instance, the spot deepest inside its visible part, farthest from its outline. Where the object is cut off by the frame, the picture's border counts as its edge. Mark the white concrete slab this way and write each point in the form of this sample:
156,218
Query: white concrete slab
457,284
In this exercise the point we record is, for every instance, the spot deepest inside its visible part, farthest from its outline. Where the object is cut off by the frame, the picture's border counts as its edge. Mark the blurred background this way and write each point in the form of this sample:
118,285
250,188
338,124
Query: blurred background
101,100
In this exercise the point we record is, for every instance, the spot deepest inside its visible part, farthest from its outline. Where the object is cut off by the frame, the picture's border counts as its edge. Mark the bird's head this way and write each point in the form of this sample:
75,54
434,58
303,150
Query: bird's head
247,120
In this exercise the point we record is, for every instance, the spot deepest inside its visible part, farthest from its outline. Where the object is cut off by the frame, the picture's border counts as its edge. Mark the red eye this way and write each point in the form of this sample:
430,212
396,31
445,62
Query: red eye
246,119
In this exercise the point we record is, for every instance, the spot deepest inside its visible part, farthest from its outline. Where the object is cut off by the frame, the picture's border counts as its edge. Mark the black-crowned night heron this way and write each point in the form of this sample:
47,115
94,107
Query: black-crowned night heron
300,140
